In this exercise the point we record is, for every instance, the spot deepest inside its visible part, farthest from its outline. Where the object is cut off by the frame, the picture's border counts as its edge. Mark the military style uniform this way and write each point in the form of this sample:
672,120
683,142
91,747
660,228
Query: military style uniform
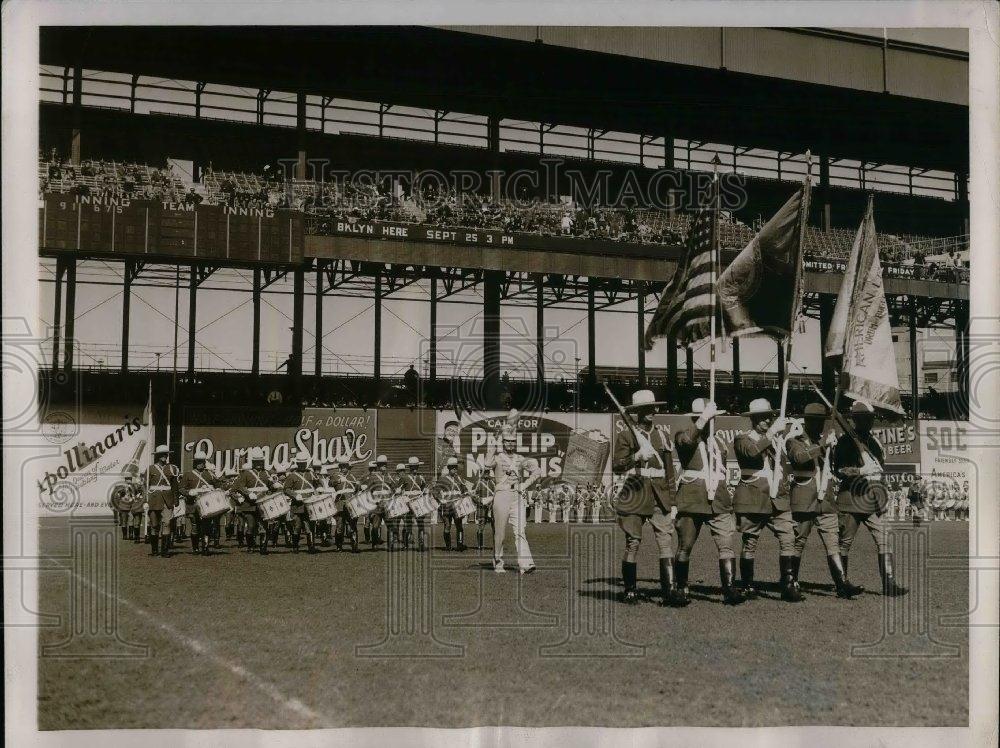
192,483
381,487
412,485
483,493
647,495
250,485
761,474
298,485
161,478
346,485
137,511
122,496
703,499
447,490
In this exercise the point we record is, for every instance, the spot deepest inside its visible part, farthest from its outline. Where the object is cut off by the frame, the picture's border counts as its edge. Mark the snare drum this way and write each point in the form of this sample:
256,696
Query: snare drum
273,506
464,507
321,506
423,505
361,505
180,508
212,503
397,507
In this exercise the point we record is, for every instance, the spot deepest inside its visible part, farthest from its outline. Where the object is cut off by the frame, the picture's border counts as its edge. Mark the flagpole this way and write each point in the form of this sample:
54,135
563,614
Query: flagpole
711,323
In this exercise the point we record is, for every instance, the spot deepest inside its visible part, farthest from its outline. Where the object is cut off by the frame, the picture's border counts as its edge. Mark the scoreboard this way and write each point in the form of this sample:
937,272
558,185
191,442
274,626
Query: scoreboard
119,225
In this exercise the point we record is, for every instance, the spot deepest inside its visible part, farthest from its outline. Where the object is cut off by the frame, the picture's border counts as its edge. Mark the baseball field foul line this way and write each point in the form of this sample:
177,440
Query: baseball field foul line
202,649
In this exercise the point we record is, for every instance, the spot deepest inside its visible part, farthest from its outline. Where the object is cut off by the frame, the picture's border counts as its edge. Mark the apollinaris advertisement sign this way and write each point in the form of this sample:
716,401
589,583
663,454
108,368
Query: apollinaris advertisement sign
325,434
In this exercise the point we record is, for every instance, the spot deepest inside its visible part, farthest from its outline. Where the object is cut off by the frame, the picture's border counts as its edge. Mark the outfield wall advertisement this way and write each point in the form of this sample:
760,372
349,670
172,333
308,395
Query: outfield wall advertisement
944,452
543,437
91,451
325,434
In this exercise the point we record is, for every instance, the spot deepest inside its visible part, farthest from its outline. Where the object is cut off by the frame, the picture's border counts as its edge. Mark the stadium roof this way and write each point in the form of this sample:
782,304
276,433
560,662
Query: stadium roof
456,71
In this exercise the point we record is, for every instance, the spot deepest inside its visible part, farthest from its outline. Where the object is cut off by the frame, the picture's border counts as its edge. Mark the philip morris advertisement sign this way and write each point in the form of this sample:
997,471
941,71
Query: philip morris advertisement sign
324,433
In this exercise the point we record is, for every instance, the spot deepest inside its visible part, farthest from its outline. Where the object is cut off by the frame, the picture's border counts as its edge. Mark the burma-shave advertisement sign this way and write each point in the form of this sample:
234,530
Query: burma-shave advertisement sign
324,433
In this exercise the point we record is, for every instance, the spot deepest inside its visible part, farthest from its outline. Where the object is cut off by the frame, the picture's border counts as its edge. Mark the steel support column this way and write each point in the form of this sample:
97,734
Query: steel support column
255,361
689,355
641,318
672,369
318,371
69,341
781,363
298,318
914,379
591,334
540,334
192,316
492,280
824,188
57,314
377,349
432,354
75,145
737,374
962,348
126,308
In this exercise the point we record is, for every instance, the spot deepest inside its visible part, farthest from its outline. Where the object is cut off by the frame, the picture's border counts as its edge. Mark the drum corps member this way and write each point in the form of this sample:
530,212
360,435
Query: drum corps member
448,489
122,496
812,494
380,486
250,485
194,482
413,485
644,457
514,475
346,486
299,484
702,499
161,480
861,496
483,493
137,512
761,498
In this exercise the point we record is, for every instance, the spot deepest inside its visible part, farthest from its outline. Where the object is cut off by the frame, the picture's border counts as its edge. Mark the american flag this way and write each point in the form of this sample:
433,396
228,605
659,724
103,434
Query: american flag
686,304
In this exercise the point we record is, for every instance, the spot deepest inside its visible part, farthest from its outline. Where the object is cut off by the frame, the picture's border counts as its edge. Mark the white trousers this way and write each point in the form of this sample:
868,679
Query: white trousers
538,512
508,508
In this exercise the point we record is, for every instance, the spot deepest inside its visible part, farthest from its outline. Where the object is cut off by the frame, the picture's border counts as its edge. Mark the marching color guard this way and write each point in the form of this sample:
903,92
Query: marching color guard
702,499
861,499
761,498
809,456
643,454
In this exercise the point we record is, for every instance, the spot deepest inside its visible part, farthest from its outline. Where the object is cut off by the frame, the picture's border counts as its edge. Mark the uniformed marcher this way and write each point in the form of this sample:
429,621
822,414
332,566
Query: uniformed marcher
862,496
193,483
137,513
380,486
299,484
812,493
395,526
448,489
644,455
761,497
346,485
703,499
161,497
122,496
368,519
252,484
414,484
483,493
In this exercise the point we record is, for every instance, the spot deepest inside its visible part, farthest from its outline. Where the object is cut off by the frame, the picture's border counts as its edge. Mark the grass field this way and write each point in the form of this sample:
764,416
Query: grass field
297,641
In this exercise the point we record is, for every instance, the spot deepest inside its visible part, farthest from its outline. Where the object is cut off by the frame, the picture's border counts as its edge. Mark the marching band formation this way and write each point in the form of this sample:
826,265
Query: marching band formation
796,475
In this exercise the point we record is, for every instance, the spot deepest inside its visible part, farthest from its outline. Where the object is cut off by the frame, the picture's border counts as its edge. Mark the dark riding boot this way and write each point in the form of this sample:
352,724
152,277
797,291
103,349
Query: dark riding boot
368,534
668,585
263,543
746,577
166,544
460,541
886,571
156,547
479,540
194,542
727,572
296,537
422,540
844,588
354,543
447,540
630,595
681,569
205,544
790,591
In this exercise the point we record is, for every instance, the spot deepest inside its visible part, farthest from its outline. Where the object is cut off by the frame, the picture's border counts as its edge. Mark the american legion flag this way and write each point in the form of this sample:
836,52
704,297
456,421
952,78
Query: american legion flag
687,301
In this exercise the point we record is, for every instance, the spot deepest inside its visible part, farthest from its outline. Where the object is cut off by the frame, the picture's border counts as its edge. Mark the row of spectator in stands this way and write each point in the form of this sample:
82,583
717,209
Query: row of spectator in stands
331,202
